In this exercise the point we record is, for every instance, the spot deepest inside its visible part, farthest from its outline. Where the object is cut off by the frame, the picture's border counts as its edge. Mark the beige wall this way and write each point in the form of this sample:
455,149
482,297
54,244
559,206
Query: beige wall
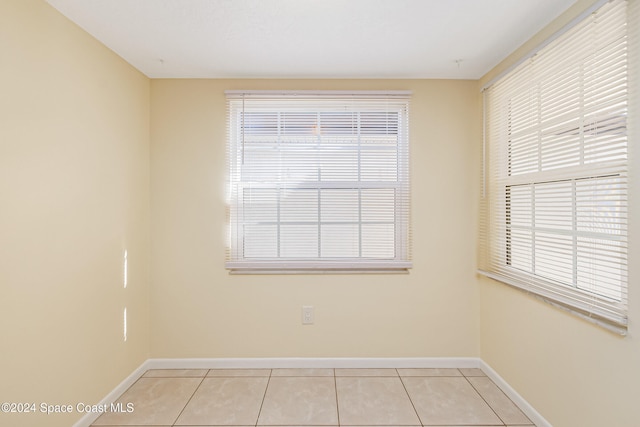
199,310
74,195
574,373
77,127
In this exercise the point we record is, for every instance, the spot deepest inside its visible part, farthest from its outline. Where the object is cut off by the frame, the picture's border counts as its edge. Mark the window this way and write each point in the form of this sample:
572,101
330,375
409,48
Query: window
319,181
554,208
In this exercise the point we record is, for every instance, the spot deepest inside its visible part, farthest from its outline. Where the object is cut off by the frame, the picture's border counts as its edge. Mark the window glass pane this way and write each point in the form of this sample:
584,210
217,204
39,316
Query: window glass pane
523,154
598,267
255,125
339,205
601,205
336,126
523,111
379,123
379,165
520,250
255,167
378,205
339,164
299,241
260,241
519,227
299,205
260,205
560,147
554,257
377,240
605,138
554,205
340,241
560,96
299,124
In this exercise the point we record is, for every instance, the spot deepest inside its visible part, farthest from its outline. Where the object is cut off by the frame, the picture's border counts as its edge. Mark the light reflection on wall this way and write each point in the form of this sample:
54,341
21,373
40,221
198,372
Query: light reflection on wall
126,269
125,325
125,280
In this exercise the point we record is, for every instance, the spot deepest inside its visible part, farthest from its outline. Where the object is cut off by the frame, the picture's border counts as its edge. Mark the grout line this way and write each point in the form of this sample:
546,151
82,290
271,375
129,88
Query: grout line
485,400
335,385
508,398
410,400
264,396
129,388
186,404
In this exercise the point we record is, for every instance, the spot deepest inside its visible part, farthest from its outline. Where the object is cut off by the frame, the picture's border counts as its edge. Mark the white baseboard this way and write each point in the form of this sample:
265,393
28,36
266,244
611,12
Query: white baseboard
528,410
89,417
302,362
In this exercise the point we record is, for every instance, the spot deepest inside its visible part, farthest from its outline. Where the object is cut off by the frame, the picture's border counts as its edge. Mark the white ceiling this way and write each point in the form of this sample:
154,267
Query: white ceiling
459,39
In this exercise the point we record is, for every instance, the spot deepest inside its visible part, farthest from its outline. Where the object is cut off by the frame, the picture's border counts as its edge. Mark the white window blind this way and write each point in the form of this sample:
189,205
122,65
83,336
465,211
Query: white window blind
319,181
554,212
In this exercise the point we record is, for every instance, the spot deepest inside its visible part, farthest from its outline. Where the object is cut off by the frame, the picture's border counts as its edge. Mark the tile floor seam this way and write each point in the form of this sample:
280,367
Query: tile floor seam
485,401
264,395
410,400
335,385
186,404
512,402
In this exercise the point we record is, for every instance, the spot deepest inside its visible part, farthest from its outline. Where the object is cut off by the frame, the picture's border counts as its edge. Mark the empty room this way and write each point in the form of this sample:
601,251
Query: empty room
319,213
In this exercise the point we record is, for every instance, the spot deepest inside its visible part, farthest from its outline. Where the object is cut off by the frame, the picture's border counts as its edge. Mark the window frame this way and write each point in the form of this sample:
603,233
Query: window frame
515,112
280,103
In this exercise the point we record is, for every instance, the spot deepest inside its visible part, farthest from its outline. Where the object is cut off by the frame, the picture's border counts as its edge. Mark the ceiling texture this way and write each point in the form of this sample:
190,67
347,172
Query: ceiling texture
452,39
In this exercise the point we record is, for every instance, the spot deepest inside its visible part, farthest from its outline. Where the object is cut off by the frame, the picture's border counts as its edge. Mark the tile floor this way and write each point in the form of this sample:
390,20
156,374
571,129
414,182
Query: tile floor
316,397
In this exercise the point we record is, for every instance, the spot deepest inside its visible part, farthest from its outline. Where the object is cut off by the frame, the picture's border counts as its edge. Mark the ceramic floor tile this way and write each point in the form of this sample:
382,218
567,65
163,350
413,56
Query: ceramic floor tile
448,400
366,397
322,372
472,372
156,401
225,401
177,373
374,401
429,372
297,401
499,402
239,373
365,372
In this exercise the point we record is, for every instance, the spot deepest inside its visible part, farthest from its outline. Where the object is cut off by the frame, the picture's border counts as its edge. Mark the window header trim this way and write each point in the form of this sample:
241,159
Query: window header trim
239,94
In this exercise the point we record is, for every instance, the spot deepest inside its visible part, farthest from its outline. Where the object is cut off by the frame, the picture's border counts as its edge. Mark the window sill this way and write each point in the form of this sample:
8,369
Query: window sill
282,267
334,271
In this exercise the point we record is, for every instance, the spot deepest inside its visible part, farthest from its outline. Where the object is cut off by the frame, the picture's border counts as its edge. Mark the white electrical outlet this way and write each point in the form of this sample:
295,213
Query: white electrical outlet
307,315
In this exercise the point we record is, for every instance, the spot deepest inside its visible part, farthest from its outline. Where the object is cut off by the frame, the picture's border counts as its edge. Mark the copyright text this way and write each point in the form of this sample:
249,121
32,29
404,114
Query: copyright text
47,408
